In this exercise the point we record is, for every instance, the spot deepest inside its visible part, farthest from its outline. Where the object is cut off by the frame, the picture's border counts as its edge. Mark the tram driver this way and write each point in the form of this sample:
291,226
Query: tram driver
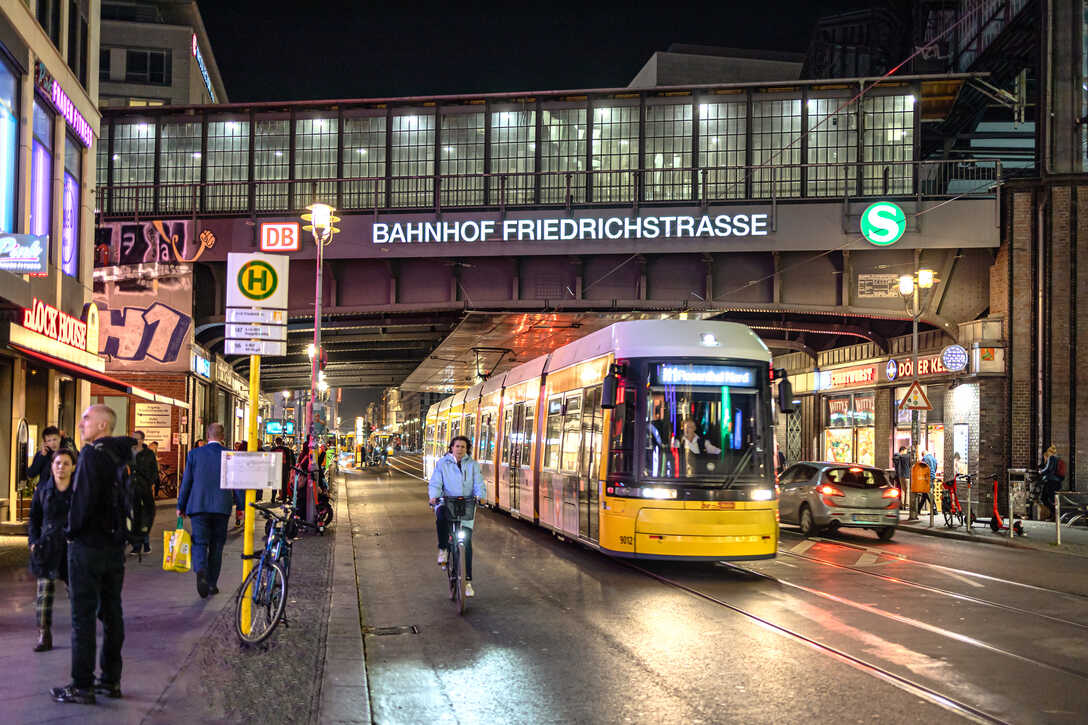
692,443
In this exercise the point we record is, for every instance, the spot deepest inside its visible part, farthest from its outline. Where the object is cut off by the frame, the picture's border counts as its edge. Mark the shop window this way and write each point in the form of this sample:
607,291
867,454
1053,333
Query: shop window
412,168
722,134
227,163
461,159
615,152
315,158
562,152
364,159
70,225
41,172
668,153
850,435
513,154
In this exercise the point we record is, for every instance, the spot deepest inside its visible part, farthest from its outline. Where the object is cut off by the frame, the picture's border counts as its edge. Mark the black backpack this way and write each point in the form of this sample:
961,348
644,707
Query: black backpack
132,505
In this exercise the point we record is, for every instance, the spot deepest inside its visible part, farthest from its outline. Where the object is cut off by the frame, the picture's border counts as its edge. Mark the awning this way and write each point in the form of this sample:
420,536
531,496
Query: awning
78,370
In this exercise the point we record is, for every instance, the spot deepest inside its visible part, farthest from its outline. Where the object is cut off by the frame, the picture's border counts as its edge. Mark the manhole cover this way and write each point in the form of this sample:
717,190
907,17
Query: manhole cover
381,631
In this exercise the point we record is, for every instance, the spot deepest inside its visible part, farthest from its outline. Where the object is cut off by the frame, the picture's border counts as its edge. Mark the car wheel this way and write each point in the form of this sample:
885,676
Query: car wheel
808,522
886,533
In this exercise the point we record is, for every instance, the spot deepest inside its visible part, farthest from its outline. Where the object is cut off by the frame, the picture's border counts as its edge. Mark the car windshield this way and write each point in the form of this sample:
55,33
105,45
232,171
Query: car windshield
855,477
700,431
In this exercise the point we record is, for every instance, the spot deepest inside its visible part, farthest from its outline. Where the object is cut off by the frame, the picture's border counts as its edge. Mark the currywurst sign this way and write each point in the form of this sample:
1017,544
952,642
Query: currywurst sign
566,229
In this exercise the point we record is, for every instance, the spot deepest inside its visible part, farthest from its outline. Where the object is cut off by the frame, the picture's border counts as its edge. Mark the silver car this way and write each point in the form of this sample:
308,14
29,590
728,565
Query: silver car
838,495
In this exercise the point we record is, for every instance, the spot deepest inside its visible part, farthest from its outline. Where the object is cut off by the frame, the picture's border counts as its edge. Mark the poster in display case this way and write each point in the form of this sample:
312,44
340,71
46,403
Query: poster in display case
839,445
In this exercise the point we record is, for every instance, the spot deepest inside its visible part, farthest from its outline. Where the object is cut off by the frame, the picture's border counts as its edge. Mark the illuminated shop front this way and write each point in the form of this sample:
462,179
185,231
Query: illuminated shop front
849,435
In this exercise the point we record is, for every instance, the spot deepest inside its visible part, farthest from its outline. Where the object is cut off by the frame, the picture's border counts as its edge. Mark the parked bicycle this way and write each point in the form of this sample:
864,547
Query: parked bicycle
950,501
266,585
167,486
460,508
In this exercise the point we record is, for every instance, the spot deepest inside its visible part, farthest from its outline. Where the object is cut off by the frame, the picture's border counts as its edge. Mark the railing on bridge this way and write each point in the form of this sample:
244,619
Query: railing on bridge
974,178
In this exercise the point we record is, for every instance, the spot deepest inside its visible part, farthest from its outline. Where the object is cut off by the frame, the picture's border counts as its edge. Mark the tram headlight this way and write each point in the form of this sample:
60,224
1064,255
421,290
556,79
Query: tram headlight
659,493
761,494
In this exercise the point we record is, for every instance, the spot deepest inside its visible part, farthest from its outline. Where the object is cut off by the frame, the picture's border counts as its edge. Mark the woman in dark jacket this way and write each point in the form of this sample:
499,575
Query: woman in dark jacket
48,549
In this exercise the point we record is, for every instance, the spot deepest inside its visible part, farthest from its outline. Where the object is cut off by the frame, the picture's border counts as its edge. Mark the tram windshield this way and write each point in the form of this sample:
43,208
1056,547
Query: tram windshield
703,423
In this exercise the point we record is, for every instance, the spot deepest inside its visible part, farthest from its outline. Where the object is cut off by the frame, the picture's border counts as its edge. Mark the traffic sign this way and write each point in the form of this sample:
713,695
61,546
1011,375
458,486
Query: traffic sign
274,348
257,280
883,223
256,332
915,399
254,315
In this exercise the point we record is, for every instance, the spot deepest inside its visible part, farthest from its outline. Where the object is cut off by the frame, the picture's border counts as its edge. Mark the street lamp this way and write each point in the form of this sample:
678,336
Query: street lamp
909,284
323,225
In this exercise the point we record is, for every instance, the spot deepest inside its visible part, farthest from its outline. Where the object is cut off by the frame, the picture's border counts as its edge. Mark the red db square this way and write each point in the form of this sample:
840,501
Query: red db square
279,237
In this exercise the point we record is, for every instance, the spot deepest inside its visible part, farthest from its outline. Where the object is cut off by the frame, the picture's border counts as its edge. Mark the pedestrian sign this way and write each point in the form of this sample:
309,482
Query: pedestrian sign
915,399
257,280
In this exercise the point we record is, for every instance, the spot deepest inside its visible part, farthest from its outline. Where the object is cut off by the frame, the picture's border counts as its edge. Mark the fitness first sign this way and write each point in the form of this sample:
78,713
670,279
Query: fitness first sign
563,229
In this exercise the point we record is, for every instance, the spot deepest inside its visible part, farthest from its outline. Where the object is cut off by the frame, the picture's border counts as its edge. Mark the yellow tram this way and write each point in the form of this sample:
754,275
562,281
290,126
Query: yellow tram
647,439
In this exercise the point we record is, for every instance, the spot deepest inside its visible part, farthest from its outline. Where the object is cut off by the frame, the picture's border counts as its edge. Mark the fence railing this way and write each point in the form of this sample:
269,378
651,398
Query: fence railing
976,178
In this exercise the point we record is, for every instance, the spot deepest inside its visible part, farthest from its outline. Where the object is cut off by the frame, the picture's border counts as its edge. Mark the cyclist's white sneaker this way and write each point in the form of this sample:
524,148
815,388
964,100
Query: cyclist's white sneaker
469,592
443,557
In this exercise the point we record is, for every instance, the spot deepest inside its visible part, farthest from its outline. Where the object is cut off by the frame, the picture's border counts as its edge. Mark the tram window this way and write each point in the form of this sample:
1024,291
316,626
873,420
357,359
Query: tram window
552,433
455,429
527,433
572,434
622,438
507,433
470,430
699,431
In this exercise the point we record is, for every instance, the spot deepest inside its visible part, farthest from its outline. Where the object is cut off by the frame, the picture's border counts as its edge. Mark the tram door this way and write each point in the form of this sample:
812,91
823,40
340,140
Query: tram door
517,451
588,488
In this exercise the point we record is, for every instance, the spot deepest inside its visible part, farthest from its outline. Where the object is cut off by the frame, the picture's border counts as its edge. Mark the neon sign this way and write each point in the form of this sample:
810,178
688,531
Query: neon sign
54,324
203,69
69,232
715,375
24,253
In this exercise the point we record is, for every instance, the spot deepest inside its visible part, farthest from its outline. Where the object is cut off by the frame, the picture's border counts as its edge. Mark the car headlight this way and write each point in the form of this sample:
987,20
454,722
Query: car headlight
761,494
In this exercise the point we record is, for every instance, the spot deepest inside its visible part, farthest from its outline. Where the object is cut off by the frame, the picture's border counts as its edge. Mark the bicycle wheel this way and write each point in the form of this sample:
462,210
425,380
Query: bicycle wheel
461,579
266,590
451,571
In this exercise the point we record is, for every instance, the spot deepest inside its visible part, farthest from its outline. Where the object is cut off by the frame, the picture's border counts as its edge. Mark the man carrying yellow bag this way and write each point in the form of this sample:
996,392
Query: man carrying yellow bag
177,549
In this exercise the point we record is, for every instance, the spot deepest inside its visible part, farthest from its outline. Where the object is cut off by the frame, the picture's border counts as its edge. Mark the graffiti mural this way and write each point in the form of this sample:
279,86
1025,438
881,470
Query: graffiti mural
124,243
146,324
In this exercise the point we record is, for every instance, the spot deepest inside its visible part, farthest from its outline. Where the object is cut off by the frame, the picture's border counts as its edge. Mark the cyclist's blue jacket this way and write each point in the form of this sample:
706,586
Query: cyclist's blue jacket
450,480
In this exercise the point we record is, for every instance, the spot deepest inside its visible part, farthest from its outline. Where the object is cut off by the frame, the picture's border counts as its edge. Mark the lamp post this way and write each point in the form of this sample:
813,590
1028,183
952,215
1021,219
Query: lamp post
321,223
909,284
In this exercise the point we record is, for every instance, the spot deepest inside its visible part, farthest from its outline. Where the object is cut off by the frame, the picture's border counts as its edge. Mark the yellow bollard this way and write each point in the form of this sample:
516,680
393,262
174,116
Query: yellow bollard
251,495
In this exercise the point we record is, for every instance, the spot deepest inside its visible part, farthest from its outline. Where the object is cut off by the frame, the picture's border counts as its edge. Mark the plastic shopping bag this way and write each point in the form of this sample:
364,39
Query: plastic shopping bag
176,549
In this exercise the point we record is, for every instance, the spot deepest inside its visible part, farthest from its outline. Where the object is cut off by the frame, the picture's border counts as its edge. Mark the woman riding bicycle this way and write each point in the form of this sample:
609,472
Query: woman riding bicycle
455,474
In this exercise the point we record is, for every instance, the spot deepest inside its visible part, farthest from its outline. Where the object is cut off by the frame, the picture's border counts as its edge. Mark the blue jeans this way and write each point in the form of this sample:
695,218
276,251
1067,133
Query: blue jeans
209,537
445,528
95,578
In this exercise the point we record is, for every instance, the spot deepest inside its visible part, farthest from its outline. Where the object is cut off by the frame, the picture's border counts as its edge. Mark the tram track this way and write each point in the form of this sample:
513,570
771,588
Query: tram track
963,709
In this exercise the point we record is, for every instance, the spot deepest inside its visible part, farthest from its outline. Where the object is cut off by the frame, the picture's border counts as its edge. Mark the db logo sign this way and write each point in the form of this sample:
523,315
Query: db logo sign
280,237
883,223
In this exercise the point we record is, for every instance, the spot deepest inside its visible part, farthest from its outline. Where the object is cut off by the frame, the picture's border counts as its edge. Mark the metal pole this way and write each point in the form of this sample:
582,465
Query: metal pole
311,423
1058,516
1008,481
251,495
969,529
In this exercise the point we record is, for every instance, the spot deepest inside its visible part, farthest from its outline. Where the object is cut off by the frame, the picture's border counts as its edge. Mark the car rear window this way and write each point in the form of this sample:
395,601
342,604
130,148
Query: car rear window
856,477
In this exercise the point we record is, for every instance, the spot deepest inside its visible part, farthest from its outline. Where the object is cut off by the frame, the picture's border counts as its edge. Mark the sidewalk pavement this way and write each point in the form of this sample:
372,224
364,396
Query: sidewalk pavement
1038,535
177,646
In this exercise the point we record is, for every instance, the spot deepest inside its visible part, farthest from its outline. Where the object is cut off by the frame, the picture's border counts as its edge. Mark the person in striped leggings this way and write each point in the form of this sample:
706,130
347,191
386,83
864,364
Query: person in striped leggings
48,549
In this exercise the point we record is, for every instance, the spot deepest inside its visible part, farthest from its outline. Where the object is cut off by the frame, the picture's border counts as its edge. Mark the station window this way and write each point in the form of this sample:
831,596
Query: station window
228,161
513,155
315,158
668,152
888,144
70,224
412,165
151,66
133,166
563,151
41,172
364,159
833,145
722,134
776,124
461,159
271,151
615,152
179,163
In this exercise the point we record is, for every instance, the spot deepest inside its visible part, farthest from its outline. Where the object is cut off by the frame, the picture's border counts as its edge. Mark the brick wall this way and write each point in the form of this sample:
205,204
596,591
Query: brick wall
882,453
1020,359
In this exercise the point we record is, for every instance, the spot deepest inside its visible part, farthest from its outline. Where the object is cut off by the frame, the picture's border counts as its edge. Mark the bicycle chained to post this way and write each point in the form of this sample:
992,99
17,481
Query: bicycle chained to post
455,485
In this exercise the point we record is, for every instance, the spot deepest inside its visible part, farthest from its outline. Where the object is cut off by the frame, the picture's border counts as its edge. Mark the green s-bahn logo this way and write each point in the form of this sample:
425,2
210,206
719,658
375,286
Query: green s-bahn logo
883,223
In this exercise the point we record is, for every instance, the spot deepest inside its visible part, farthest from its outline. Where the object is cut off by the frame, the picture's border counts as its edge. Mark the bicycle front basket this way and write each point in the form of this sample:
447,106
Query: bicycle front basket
461,508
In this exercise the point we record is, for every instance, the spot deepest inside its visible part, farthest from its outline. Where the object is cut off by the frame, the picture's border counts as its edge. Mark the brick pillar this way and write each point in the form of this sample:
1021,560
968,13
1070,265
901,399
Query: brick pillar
991,441
885,417
1019,327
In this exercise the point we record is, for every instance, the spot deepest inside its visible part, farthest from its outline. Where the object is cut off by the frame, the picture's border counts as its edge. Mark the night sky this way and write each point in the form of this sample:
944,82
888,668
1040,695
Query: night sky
269,50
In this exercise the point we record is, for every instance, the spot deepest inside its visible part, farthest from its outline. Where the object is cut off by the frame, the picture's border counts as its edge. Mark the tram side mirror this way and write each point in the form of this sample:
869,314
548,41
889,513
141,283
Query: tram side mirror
608,391
785,396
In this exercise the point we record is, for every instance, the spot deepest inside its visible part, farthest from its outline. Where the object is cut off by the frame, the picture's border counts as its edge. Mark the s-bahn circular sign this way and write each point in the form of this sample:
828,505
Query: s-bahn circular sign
883,223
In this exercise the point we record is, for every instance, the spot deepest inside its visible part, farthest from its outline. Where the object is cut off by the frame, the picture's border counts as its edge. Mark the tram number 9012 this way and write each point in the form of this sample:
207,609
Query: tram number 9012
629,540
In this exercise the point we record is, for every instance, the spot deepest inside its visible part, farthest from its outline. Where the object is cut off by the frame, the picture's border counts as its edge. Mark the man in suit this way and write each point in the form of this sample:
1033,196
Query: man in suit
208,509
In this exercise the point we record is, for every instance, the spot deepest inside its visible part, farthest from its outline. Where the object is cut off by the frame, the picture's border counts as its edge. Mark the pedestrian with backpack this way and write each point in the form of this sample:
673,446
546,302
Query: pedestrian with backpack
145,475
96,557
208,509
1051,475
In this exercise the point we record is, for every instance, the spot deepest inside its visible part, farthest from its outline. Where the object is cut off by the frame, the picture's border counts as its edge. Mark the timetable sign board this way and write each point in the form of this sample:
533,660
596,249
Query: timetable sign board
256,332
273,348
256,315
250,469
